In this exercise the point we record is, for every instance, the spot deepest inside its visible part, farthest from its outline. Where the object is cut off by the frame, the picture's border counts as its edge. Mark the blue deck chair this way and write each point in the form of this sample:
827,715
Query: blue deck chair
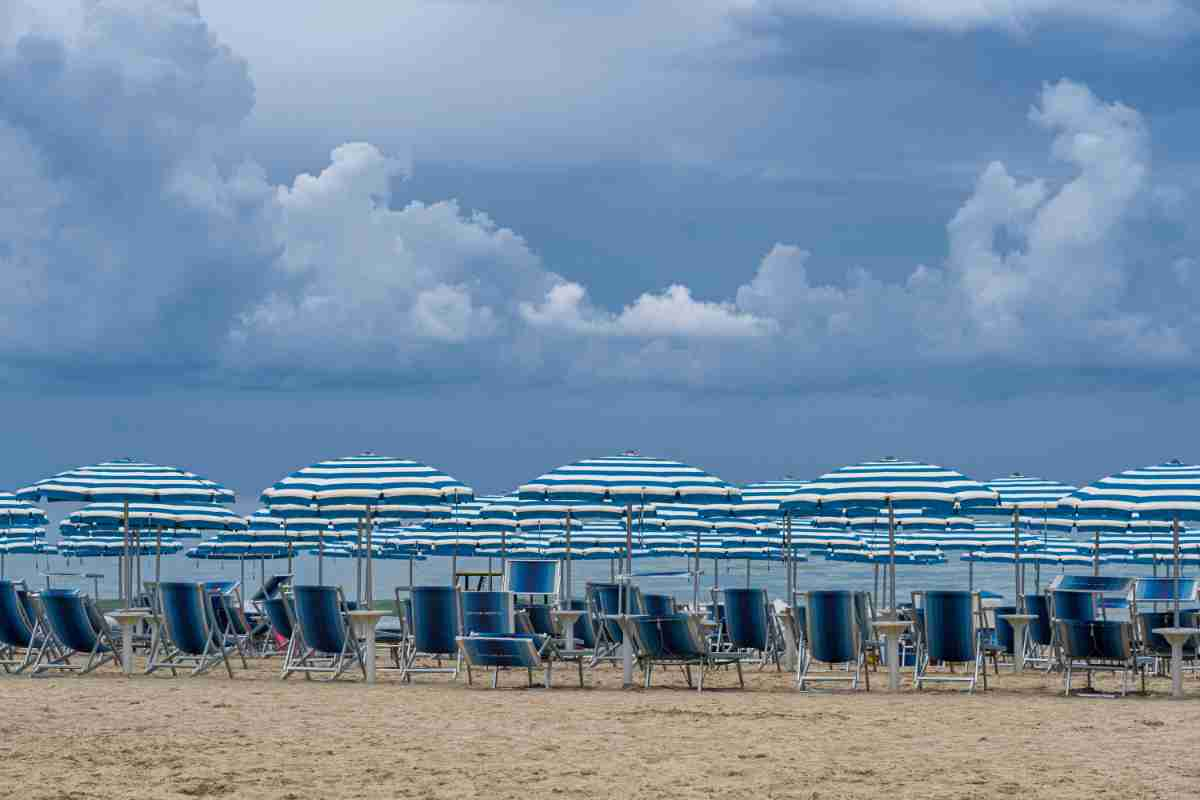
230,616
499,653
658,605
585,632
604,601
22,633
832,638
1155,646
748,622
436,626
488,613
952,635
328,642
278,611
189,634
531,577
1039,632
274,586
75,631
678,640
1091,646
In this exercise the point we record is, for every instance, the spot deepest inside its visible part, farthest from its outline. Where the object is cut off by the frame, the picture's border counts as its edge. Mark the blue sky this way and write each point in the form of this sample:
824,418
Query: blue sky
762,237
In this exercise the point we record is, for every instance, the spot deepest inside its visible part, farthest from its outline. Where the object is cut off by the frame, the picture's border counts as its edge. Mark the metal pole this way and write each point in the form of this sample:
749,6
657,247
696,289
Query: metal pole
1096,553
747,573
565,587
891,558
137,549
626,643
321,557
1016,522
157,555
358,571
242,564
696,576
126,564
787,557
1175,547
370,525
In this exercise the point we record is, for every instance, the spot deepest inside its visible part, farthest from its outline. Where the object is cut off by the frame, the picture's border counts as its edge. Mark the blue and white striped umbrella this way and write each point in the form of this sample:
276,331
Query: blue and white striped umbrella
186,518
1169,491
1021,492
15,514
757,500
388,488
629,479
126,480
902,484
114,547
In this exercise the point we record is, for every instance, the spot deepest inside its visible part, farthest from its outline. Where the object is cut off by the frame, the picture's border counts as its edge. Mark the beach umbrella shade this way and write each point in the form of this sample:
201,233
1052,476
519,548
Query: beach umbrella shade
22,528
369,488
890,484
1016,493
126,481
630,480
1162,492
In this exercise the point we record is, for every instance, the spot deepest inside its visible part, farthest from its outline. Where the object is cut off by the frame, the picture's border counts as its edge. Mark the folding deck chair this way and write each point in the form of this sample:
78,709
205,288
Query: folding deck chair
75,628
22,632
327,639
1091,646
951,634
833,638
678,640
748,624
436,626
189,635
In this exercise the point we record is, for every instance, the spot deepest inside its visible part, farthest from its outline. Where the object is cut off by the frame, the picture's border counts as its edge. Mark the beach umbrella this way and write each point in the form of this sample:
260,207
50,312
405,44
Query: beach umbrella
633,481
1162,492
368,488
126,481
22,529
890,484
1016,493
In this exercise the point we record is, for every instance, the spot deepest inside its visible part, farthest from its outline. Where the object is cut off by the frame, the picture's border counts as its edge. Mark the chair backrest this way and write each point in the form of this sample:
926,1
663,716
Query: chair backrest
1004,629
1095,639
672,636
1153,591
1039,629
584,631
658,605
1155,642
487,612
272,588
540,618
832,633
747,623
950,625
531,576
605,599
187,615
1079,606
220,586
66,614
435,619
320,617
864,613
279,615
16,628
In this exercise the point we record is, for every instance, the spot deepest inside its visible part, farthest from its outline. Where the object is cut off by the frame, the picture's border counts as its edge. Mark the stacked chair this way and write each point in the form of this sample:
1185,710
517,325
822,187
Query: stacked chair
950,633
832,637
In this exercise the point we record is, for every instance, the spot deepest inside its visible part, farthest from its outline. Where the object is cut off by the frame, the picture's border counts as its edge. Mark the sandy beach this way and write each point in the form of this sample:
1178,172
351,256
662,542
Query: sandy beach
256,736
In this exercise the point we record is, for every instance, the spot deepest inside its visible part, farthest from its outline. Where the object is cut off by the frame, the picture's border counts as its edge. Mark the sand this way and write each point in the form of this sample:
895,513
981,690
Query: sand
258,737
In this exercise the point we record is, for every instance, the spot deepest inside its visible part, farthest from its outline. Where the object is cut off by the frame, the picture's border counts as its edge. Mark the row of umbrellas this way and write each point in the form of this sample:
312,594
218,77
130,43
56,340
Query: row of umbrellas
360,497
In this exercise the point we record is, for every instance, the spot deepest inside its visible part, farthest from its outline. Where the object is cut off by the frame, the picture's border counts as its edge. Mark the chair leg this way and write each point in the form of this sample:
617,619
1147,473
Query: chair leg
741,680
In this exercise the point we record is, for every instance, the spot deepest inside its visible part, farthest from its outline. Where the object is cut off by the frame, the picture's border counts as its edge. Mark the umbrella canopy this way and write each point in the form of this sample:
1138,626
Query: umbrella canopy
193,518
628,479
17,514
891,484
126,480
388,488
114,547
1021,492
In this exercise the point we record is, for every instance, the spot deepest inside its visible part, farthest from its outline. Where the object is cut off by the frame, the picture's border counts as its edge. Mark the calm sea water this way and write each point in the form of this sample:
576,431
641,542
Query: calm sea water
815,574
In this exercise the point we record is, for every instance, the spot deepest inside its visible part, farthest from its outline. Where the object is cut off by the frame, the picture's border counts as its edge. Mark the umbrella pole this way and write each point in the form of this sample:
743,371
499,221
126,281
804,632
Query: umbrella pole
626,644
787,558
747,573
891,559
565,587
696,576
1175,548
157,554
126,589
970,576
137,585
875,589
321,557
1096,553
370,524
242,564
358,572
1018,600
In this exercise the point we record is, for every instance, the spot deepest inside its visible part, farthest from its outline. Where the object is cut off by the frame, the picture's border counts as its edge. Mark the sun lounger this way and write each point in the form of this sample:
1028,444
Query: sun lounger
190,636
748,623
678,640
1090,646
951,635
74,631
531,577
327,639
833,638
22,634
436,625
499,653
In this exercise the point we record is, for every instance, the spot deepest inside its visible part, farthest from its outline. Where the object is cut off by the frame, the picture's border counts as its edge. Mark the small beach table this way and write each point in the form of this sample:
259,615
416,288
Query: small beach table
565,619
128,619
891,630
1019,623
364,622
791,646
1176,637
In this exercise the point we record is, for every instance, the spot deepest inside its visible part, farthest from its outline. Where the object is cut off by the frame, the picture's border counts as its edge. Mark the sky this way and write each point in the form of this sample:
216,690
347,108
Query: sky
763,237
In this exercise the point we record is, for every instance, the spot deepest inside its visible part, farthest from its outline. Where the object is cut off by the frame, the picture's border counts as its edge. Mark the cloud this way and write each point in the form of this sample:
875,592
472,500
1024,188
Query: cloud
136,239
1151,16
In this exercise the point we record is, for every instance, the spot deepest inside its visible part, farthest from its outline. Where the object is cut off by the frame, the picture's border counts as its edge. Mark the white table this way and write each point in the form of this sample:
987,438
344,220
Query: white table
364,623
565,619
791,646
128,619
1177,637
1018,622
891,630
